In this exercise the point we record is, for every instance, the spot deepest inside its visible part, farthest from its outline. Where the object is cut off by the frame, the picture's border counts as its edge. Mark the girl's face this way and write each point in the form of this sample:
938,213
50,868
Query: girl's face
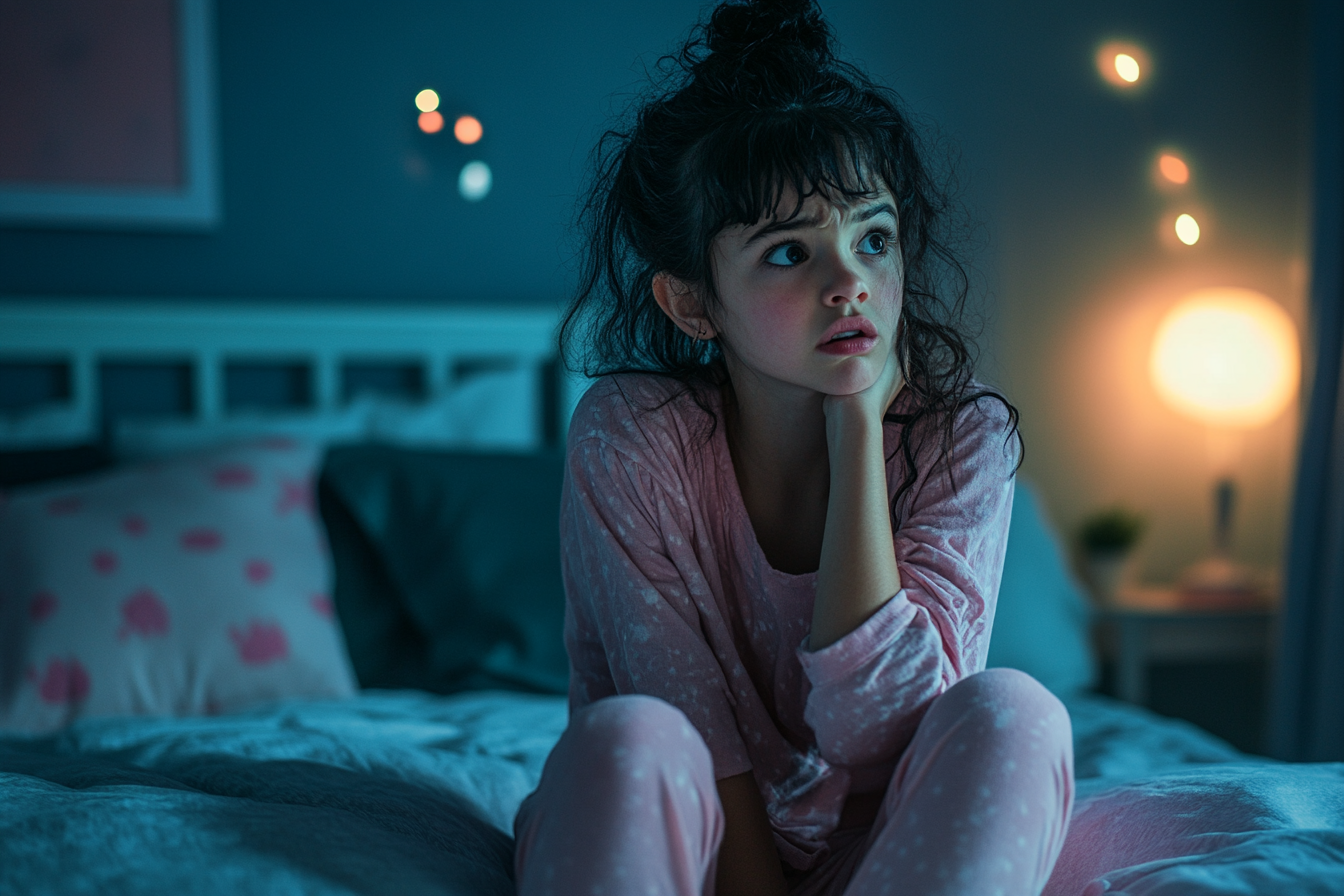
812,301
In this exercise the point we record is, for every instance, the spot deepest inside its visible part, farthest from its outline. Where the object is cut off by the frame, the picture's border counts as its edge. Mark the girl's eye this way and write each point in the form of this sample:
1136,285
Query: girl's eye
873,244
787,255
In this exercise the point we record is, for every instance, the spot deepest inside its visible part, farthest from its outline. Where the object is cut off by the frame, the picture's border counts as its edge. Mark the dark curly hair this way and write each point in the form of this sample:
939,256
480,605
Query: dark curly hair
756,107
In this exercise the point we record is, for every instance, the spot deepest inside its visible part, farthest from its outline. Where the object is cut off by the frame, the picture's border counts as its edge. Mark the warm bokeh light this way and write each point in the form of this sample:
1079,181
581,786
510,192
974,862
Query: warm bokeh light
1127,67
474,181
431,122
1227,357
426,100
1122,64
1187,229
1173,168
467,130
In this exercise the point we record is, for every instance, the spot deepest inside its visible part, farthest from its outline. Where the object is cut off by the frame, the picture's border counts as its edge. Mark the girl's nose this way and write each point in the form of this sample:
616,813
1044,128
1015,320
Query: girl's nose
846,285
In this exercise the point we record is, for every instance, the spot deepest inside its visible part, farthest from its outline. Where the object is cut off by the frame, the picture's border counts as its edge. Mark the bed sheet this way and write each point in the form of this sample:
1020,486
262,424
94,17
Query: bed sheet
391,792
409,792
1166,809
1117,741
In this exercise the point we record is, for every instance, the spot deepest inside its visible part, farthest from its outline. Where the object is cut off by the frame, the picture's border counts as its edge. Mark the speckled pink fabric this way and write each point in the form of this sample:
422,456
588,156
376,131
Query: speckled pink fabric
977,806
670,596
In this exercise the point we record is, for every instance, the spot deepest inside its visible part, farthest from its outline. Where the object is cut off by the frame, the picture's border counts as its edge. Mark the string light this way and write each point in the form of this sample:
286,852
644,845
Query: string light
1173,168
1127,67
1187,229
431,122
474,181
427,100
467,130
1122,64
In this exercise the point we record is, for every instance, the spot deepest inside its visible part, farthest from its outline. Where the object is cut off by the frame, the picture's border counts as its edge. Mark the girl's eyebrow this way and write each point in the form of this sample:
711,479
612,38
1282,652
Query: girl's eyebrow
873,211
866,214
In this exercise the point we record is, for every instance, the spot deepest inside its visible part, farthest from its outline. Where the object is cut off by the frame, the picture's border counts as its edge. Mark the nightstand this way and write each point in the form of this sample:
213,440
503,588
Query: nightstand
1147,627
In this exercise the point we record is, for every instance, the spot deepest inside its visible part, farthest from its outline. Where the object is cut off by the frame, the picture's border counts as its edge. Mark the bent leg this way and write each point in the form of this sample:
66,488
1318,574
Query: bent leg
626,804
980,802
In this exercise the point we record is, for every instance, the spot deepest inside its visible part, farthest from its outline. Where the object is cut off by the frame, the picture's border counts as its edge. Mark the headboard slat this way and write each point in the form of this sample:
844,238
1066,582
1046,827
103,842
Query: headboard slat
209,335
207,381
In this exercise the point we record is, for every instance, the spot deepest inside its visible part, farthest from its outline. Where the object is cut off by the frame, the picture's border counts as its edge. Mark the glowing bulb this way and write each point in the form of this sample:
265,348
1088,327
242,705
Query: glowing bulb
1173,168
431,122
1127,67
1122,64
426,100
1227,357
474,181
1187,229
467,130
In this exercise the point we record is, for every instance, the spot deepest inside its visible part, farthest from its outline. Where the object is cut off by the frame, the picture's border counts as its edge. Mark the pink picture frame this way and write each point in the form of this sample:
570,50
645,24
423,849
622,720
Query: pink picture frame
107,115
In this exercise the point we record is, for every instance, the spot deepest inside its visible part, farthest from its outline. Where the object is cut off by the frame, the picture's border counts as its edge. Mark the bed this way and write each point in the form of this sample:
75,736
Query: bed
352,683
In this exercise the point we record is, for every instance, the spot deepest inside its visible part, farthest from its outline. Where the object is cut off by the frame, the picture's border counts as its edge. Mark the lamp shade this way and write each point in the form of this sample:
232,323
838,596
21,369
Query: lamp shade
1228,357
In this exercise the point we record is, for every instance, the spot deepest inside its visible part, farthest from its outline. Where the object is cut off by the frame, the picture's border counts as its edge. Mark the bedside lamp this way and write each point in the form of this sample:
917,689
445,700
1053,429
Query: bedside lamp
1229,359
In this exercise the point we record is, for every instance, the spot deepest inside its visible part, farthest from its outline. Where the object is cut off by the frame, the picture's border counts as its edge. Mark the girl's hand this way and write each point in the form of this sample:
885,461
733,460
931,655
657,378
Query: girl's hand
866,406
858,571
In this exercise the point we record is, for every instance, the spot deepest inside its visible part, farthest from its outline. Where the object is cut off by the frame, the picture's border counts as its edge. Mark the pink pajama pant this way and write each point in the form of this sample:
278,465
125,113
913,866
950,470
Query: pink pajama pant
978,805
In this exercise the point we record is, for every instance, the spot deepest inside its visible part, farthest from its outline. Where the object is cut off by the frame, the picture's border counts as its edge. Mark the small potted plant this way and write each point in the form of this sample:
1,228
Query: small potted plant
1108,538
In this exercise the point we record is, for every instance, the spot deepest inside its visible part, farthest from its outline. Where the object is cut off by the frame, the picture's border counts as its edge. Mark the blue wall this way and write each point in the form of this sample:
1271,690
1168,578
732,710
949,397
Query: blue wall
319,151
321,191
319,147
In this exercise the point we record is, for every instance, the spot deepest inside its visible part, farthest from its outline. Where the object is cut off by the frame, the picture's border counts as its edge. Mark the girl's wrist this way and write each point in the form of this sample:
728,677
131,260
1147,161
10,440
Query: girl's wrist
849,419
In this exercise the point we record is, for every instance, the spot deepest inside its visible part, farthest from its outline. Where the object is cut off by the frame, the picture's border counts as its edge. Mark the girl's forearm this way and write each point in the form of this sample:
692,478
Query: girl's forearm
858,572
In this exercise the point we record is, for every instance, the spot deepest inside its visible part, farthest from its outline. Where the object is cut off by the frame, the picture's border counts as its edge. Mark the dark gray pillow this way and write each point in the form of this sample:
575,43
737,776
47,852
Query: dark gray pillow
447,567
42,465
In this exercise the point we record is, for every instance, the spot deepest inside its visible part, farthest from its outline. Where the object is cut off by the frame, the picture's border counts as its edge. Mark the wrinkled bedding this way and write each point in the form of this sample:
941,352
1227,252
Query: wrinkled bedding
404,792
392,792
1165,809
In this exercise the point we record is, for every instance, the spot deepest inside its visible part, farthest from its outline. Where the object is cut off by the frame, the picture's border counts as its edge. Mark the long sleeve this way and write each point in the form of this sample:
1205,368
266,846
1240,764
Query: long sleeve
635,620
871,688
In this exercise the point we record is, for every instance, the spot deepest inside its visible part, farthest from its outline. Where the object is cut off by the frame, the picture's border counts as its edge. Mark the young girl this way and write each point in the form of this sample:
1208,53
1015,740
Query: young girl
785,513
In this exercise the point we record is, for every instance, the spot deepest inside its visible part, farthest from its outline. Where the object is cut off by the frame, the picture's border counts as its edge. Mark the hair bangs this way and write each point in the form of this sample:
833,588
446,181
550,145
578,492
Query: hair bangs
765,166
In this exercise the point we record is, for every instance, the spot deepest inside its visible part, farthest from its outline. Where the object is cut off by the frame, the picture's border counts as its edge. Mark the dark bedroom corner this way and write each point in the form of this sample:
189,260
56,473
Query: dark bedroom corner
297,450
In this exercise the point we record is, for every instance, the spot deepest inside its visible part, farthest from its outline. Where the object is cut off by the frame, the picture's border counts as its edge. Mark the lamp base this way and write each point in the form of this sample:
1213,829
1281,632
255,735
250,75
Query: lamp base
1218,583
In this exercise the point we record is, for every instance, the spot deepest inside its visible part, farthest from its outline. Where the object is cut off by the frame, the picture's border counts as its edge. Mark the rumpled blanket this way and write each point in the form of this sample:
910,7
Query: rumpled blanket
1166,809
405,792
396,792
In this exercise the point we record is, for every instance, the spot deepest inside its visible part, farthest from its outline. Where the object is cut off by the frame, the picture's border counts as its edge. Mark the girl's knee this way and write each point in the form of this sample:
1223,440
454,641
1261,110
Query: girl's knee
1011,705
630,719
634,731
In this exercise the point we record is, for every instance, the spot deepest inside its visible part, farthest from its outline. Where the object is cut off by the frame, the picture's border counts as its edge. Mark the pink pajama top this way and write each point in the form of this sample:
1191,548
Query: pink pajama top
669,595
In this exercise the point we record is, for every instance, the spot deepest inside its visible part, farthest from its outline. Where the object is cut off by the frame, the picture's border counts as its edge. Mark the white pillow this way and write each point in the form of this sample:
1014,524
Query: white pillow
147,439
186,587
493,410
1041,625
488,411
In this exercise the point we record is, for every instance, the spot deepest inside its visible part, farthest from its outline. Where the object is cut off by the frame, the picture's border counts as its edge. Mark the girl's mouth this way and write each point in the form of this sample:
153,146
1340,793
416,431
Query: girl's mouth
849,336
849,342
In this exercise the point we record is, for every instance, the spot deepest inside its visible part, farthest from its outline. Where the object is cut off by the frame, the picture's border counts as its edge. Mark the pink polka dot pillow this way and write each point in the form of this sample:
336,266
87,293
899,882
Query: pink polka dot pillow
192,586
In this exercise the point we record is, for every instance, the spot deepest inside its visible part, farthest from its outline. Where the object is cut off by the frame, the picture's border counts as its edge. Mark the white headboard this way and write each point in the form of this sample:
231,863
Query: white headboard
323,338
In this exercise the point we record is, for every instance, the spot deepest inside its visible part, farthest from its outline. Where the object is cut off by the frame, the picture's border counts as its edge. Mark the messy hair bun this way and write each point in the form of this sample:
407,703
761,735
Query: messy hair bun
755,112
737,30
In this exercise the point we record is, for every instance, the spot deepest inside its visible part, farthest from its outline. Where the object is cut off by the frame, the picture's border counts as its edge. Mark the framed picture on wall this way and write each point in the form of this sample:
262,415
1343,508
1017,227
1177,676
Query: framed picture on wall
107,114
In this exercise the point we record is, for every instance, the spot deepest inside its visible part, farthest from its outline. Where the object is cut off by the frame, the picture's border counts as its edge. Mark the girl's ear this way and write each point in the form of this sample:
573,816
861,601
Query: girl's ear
681,302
